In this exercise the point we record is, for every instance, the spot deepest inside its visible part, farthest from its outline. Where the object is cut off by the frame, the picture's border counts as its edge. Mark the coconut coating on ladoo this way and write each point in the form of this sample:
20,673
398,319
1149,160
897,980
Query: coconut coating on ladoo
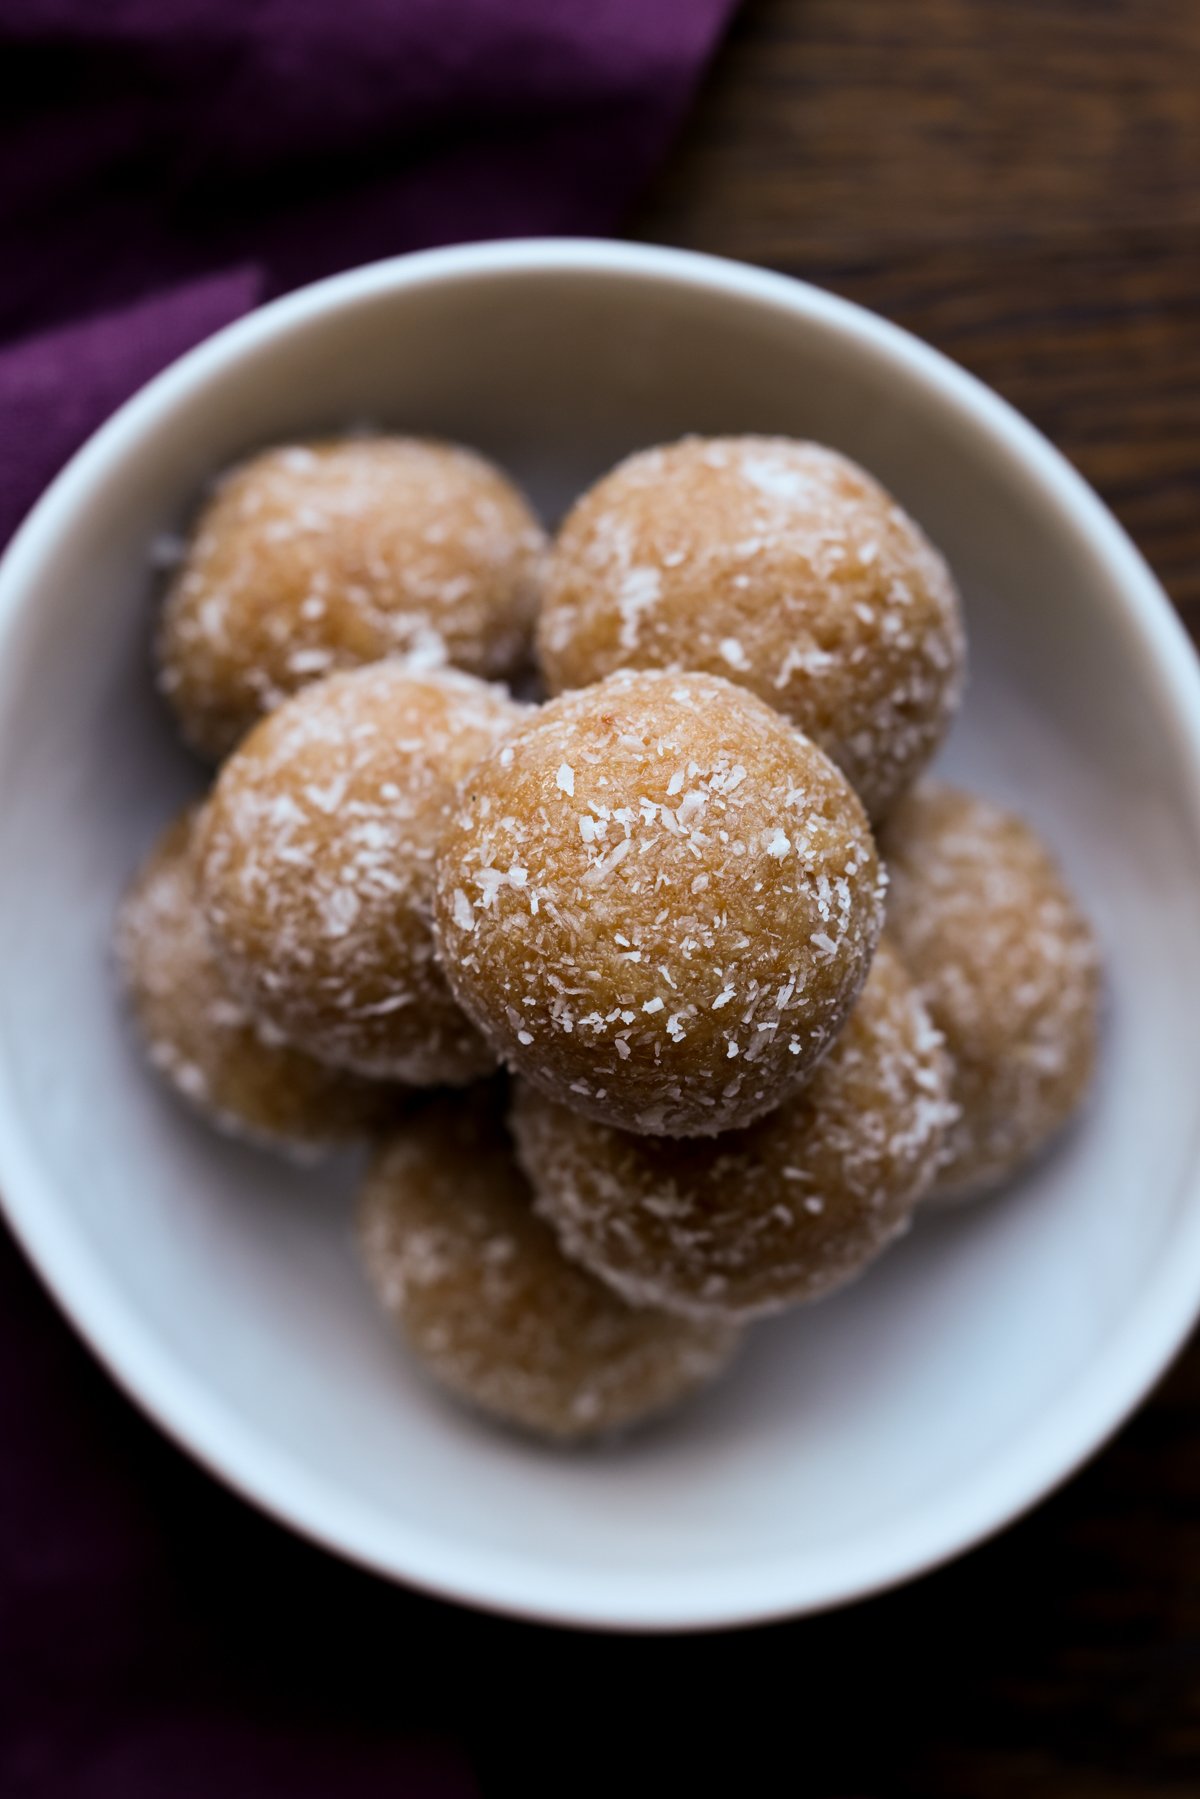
230,1068
782,565
658,902
1009,968
316,867
784,1212
484,1298
316,557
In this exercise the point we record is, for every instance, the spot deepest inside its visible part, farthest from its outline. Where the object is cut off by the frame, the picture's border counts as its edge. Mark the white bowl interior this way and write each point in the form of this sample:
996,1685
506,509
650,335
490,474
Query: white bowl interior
853,1443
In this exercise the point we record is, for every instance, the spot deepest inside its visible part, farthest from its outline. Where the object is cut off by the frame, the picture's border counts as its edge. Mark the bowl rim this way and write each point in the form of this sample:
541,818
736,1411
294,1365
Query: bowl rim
1051,1446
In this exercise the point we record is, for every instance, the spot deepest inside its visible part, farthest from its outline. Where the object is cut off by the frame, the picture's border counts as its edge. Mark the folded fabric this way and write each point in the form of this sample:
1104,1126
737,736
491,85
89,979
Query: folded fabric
164,165
146,145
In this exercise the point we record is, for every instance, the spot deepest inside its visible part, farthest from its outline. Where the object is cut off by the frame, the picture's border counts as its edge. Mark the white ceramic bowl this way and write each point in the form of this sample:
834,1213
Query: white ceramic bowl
855,1444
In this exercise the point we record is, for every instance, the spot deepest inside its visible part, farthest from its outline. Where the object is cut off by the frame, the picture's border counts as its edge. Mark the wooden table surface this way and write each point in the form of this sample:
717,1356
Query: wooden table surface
1018,182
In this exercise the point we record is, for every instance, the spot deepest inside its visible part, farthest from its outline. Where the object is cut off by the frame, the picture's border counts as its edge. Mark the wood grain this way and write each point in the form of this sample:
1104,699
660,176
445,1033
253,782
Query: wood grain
1018,183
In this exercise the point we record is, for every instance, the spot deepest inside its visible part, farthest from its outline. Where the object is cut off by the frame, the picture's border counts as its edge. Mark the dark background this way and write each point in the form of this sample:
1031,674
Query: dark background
1018,181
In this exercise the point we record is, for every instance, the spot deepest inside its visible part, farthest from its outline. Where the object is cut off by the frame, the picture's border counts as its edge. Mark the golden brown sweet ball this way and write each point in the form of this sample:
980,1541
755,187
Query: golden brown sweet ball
747,1223
1009,969
486,1300
316,867
317,557
658,902
785,567
233,1070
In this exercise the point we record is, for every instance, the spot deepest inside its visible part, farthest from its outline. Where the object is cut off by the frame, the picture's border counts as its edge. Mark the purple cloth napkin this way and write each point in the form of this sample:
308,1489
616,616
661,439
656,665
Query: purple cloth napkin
165,164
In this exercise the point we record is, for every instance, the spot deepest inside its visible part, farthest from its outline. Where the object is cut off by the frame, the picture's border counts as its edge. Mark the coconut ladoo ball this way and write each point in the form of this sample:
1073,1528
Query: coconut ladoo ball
228,1066
658,902
316,867
316,557
485,1299
781,565
1009,969
784,1212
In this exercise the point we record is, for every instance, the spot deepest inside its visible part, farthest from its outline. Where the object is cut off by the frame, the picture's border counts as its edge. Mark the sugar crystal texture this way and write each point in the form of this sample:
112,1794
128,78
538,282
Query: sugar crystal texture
226,1064
658,902
483,1297
316,867
743,1224
1009,969
316,557
782,565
